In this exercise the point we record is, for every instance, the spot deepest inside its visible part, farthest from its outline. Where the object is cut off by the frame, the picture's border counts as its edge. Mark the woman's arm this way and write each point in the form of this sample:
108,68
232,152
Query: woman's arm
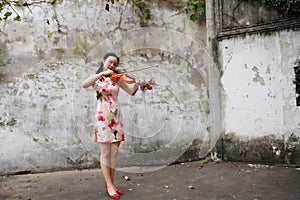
91,80
132,91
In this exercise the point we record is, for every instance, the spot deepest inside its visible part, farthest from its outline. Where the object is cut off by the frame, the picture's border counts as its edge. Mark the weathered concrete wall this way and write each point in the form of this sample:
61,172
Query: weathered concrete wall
46,120
261,119
258,49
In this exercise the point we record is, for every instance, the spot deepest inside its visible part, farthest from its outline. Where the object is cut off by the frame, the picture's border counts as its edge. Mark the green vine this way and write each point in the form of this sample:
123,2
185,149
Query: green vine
142,10
140,7
194,8
9,12
10,9
284,6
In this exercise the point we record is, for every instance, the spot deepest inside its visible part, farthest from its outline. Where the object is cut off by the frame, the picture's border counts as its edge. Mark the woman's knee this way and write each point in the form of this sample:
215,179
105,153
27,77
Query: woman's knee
105,155
114,150
105,152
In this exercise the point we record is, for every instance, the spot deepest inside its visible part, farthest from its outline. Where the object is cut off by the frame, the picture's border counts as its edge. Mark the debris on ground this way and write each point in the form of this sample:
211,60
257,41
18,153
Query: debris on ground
191,187
167,187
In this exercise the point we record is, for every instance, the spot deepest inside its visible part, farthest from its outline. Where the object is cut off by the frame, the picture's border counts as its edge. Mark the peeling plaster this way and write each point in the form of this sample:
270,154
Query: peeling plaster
45,107
265,111
257,78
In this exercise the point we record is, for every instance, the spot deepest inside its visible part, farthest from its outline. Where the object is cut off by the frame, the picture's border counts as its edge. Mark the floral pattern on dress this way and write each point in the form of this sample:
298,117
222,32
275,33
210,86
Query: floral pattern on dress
109,126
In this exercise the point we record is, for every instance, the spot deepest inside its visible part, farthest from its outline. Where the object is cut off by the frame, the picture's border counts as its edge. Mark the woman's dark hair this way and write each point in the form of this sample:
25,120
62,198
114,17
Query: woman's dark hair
104,58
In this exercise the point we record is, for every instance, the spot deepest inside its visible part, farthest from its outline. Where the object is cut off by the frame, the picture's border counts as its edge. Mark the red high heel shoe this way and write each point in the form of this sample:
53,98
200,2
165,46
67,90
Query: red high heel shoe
114,196
119,192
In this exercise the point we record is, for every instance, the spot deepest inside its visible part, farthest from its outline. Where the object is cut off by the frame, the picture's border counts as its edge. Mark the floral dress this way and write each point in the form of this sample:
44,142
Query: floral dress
109,126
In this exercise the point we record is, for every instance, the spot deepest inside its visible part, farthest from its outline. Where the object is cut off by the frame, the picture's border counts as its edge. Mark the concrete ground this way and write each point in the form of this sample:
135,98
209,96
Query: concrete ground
193,180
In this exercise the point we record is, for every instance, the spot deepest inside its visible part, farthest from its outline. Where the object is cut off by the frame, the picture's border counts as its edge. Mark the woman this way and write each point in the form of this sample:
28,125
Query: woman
109,127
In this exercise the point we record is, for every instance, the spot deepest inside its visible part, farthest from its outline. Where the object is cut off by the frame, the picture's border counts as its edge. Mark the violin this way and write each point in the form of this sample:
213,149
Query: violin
129,79
121,74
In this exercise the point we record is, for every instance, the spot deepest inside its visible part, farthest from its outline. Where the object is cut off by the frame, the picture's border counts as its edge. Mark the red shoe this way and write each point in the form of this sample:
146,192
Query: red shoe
114,196
119,192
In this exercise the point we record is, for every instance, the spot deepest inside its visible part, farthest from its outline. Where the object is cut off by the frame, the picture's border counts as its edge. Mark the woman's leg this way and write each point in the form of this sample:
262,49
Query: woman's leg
114,149
106,166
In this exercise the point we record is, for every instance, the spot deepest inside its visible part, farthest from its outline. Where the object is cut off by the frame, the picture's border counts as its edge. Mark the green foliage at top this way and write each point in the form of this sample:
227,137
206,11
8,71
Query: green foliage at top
10,8
284,6
194,8
7,14
142,10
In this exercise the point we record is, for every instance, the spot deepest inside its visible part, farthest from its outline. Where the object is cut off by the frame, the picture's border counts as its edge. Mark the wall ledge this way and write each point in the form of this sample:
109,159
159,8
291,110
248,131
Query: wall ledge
291,24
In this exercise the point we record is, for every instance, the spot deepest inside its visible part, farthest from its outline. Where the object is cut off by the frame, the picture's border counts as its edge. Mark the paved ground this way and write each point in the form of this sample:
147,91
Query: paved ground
193,180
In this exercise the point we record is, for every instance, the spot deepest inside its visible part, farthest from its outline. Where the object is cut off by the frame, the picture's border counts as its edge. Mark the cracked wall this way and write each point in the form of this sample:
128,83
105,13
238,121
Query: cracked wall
46,119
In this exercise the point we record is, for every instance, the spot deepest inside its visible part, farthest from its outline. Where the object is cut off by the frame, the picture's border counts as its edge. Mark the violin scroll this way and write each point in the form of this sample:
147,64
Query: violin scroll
147,85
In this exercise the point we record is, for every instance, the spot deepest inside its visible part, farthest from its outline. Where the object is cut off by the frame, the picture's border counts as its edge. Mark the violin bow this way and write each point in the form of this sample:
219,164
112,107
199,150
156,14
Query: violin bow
141,69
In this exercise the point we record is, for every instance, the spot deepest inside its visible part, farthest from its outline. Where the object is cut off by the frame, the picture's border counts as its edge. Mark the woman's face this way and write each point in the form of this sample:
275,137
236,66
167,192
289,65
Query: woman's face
110,63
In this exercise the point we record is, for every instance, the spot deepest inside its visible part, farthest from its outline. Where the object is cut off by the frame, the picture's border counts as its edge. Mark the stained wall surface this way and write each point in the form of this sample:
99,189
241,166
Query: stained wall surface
258,57
47,118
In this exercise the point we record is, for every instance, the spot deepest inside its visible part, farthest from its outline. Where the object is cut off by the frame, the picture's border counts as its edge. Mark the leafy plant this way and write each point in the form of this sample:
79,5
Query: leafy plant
7,14
10,8
284,6
142,10
194,8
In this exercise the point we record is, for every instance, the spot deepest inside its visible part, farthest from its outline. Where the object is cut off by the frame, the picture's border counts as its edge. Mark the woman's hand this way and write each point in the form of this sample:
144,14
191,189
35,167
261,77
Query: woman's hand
139,82
107,72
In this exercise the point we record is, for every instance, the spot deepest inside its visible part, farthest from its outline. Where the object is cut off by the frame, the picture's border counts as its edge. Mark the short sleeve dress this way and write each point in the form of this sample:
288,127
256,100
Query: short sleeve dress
109,126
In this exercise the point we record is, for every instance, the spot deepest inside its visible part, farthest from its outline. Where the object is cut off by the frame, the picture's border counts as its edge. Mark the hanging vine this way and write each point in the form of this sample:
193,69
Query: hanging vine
194,8
284,6
142,10
10,10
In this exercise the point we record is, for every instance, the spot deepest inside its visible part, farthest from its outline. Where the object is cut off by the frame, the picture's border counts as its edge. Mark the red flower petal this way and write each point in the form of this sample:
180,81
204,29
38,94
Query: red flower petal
100,118
112,124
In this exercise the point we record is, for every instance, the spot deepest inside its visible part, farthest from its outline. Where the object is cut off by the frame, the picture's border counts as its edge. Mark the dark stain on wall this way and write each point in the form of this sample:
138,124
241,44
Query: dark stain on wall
265,150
